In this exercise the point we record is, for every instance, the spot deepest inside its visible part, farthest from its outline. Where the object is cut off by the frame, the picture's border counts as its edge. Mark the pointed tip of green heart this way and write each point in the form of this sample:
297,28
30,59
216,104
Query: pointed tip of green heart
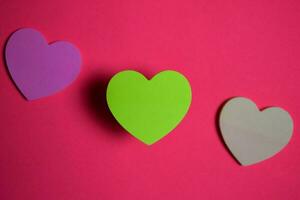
149,140
148,109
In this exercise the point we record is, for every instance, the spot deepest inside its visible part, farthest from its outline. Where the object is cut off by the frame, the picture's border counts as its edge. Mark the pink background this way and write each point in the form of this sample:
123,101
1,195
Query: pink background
68,146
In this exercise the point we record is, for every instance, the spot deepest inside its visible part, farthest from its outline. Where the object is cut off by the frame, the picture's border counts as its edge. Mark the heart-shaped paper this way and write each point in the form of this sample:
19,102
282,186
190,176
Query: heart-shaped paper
39,69
149,109
253,135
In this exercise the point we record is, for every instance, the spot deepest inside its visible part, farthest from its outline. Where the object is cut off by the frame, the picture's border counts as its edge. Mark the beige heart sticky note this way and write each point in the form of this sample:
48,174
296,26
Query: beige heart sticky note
253,135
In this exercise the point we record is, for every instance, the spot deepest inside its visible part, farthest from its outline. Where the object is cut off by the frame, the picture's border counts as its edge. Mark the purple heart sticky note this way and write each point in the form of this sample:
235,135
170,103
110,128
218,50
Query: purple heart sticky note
40,69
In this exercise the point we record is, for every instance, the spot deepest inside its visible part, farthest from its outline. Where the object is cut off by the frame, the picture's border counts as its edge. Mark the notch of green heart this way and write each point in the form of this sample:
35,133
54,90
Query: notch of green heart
148,109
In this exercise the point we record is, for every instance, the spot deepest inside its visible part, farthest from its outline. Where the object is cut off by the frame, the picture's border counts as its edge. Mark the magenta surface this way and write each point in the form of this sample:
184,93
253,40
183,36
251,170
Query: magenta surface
69,147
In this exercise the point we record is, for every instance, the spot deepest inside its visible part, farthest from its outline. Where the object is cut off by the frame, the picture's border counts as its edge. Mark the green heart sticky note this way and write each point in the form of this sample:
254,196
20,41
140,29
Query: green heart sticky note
149,109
